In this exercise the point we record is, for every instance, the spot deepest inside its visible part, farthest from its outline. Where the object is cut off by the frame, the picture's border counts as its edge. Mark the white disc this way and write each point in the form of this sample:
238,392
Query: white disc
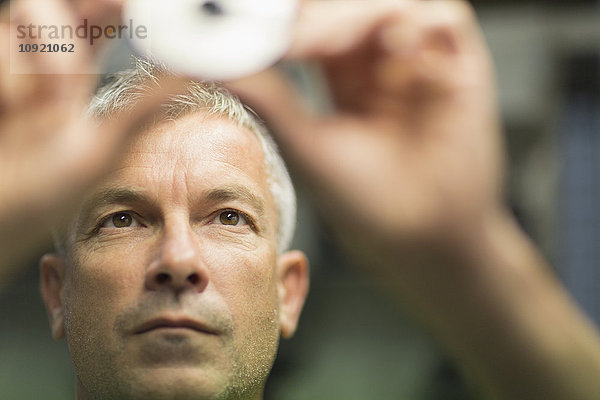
212,39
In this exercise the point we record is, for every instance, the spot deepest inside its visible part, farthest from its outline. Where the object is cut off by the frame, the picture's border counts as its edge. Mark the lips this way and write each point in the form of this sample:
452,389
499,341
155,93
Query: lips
172,323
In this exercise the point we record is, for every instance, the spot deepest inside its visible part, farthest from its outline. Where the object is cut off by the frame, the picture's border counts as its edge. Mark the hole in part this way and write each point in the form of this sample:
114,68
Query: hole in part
212,8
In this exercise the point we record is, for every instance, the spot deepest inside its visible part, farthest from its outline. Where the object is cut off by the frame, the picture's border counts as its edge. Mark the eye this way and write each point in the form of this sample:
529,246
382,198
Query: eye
120,220
231,218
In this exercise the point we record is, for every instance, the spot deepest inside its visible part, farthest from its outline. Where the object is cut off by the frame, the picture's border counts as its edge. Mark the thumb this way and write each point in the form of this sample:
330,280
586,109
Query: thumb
277,101
114,134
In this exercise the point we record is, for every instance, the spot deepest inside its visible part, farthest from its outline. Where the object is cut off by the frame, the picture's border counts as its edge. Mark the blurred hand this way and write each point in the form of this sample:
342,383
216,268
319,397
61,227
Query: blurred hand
409,166
49,151
412,150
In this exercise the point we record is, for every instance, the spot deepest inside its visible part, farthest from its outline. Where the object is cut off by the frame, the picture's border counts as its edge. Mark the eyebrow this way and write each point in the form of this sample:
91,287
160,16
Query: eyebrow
112,195
129,195
236,192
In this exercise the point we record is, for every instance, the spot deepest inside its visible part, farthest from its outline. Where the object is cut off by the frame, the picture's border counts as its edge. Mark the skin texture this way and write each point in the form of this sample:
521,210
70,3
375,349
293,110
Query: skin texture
421,65
50,153
414,128
413,100
175,260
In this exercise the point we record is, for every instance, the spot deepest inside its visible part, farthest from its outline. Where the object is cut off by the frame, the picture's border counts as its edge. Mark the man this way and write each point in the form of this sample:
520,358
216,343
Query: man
174,281
420,201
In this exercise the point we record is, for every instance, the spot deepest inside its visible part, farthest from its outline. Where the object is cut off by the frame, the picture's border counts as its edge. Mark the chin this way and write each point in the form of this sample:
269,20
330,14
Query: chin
189,383
163,383
181,383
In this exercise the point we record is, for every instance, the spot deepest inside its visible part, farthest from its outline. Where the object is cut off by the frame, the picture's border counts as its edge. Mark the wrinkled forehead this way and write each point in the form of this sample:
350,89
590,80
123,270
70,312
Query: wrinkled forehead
176,160
197,137
180,161
194,141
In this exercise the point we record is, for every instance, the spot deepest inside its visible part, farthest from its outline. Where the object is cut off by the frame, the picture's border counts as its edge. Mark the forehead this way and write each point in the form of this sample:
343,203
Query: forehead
176,161
197,144
197,137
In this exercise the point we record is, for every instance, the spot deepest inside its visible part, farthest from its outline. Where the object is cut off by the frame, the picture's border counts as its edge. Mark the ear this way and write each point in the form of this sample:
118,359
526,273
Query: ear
52,273
293,275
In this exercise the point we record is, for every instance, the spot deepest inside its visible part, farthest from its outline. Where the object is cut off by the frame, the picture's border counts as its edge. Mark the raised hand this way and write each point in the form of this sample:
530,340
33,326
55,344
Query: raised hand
409,164
412,148
50,152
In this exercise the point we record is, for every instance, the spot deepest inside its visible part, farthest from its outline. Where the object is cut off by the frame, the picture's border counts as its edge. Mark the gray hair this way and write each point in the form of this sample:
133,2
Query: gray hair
123,90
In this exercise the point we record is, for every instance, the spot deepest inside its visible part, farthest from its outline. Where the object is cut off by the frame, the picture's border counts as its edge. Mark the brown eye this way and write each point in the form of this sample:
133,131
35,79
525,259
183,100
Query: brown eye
229,218
122,220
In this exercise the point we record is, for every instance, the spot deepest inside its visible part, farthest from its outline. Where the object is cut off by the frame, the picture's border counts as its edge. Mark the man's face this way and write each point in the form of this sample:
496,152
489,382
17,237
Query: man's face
171,288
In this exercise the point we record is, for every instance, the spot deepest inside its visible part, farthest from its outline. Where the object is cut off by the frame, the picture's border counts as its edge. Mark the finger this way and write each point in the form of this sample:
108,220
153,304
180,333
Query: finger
99,12
428,48
14,88
117,130
80,155
46,18
5,12
4,67
39,76
334,27
277,101
368,48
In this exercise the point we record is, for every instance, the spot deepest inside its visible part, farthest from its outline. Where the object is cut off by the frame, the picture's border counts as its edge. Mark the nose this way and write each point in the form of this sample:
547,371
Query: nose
178,265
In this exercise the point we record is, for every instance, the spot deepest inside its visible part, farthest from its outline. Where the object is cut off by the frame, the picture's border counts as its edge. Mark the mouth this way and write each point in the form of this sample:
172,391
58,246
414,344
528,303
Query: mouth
174,325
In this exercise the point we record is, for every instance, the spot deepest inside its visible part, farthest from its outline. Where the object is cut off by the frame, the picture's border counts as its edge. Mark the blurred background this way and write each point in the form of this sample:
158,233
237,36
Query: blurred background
353,343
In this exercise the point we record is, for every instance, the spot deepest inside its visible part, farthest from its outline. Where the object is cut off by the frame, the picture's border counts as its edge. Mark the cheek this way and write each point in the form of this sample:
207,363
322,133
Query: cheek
246,280
99,285
247,283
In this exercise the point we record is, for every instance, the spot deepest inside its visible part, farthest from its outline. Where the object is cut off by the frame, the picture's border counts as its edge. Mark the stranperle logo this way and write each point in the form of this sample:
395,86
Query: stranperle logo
57,44
82,31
